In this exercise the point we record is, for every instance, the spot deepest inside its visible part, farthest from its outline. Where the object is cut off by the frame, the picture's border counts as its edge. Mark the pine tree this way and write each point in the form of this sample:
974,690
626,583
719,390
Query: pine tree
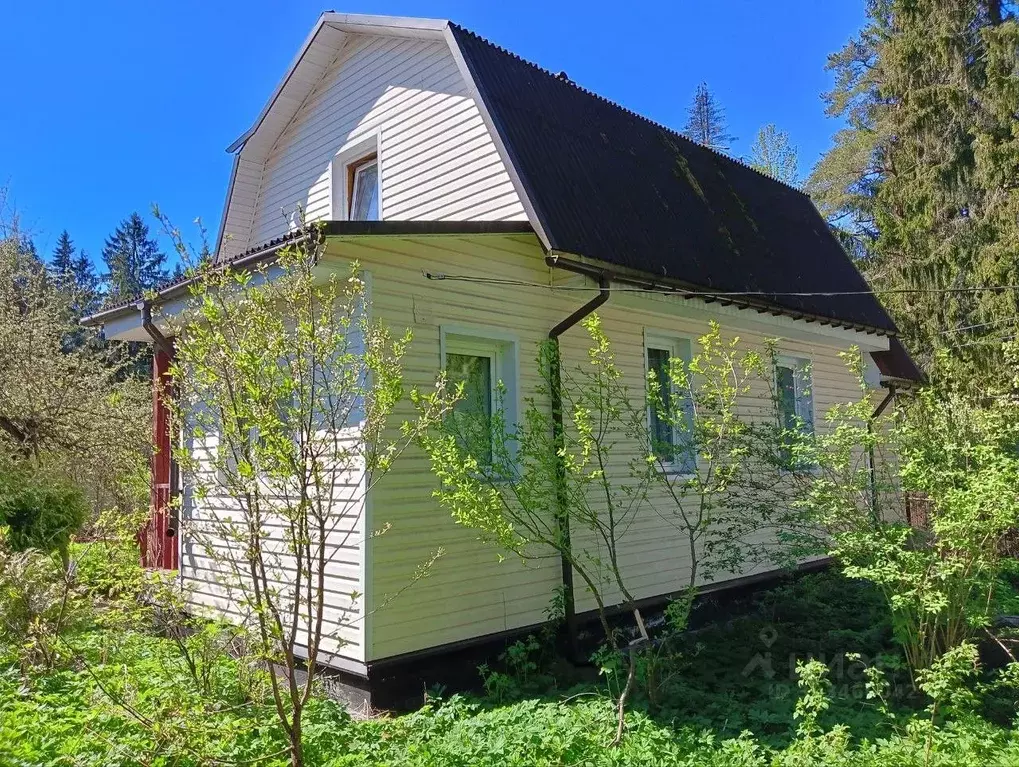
62,262
706,122
772,153
133,260
918,179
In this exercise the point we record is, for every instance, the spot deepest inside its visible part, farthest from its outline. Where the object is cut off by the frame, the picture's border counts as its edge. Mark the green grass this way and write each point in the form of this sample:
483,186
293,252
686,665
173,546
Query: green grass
127,698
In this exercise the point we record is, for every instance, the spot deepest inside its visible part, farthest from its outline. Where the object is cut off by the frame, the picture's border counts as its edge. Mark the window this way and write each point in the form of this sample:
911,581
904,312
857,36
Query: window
363,189
795,400
486,367
670,412
355,177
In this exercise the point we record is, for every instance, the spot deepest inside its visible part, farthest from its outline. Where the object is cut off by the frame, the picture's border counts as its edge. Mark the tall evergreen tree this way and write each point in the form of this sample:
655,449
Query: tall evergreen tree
918,178
772,153
706,122
86,283
133,260
62,262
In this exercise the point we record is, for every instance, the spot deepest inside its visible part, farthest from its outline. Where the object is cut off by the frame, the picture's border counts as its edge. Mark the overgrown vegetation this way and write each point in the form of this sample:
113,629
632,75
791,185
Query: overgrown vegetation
743,690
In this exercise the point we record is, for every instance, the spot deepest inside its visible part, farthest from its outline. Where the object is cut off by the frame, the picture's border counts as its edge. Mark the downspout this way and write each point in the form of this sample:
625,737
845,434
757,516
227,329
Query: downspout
164,345
154,333
559,441
870,449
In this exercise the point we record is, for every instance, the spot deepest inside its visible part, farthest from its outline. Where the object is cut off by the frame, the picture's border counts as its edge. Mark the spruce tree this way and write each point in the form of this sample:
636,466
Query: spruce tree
133,260
919,178
706,122
86,282
62,262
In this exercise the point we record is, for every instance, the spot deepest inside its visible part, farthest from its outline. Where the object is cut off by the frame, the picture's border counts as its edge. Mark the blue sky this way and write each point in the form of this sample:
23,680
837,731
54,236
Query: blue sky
111,106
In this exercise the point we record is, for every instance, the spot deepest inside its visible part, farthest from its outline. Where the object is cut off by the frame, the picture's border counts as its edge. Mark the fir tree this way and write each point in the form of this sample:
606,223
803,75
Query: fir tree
918,179
62,262
706,122
133,260
772,154
86,281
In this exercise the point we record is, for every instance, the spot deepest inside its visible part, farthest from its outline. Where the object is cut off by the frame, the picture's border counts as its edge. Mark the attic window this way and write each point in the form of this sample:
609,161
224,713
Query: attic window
363,189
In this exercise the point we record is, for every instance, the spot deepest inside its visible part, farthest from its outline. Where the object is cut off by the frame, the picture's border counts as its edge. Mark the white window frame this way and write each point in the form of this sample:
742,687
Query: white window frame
502,348
339,170
803,395
678,347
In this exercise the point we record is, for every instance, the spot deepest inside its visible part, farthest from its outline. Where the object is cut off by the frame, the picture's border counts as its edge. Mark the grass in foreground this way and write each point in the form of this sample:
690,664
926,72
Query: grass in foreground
129,698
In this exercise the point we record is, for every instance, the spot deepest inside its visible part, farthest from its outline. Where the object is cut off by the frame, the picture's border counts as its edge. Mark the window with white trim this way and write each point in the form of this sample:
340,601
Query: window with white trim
794,390
363,189
486,367
670,410
356,181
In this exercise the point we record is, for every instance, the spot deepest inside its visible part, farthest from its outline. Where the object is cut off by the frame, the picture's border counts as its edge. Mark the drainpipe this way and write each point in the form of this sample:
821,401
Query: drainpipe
163,344
149,327
559,440
870,449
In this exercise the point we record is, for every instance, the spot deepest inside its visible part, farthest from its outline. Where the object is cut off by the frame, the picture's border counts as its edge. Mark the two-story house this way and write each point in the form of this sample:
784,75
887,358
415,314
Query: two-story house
428,150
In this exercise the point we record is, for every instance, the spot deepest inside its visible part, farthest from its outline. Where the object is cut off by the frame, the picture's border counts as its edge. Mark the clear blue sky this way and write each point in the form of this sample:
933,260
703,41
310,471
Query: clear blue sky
111,106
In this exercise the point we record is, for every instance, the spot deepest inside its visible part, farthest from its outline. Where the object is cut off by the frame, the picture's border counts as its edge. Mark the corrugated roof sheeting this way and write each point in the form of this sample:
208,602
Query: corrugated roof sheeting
611,185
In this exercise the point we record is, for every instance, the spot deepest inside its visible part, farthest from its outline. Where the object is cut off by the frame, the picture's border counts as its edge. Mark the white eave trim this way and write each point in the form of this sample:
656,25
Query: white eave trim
347,22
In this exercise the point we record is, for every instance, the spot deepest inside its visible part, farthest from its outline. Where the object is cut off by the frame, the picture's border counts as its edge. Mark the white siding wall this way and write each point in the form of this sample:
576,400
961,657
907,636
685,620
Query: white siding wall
469,592
213,563
438,161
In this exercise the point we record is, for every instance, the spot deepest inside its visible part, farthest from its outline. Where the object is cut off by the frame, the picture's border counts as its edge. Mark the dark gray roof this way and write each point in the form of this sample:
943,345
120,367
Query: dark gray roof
608,184
897,364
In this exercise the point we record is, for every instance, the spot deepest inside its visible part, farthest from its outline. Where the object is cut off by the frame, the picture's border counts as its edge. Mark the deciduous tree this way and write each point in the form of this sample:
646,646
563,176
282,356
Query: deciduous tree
772,153
286,391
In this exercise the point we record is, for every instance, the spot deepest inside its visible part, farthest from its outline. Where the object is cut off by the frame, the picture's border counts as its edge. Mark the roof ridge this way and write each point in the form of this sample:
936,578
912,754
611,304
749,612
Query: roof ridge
626,110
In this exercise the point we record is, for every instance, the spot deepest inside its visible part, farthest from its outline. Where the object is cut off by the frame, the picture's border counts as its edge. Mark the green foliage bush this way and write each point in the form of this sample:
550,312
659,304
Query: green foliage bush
40,509
38,603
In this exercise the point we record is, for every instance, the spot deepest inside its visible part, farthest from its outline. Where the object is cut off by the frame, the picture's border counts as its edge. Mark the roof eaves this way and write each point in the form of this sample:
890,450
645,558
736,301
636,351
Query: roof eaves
689,290
327,229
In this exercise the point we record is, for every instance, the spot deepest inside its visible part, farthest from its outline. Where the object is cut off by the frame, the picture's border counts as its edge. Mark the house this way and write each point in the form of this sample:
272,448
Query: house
430,152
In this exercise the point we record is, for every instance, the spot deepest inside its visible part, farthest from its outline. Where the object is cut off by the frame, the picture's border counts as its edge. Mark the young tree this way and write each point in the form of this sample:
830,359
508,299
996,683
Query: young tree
706,123
133,260
689,453
475,454
772,154
955,452
286,390
722,458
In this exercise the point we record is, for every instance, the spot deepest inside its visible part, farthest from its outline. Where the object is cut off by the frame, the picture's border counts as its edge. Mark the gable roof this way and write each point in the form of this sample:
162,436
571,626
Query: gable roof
605,183
608,184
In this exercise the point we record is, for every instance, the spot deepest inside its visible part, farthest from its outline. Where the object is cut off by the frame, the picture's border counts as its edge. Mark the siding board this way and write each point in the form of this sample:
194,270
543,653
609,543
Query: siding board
438,161
468,592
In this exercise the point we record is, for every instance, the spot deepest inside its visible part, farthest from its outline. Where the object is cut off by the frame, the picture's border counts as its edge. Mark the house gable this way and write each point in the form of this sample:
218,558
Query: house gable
395,91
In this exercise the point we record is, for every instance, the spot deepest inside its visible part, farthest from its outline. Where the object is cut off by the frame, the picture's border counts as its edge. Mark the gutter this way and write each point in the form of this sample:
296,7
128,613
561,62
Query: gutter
559,440
690,291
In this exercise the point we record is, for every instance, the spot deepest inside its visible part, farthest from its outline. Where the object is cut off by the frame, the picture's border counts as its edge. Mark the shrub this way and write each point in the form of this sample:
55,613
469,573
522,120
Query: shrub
40,509
38,604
